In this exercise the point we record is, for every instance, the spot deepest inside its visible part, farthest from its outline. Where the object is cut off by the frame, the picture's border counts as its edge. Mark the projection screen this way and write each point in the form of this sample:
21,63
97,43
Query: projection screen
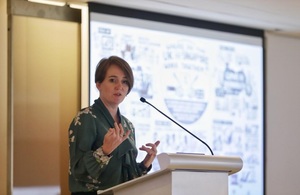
208,77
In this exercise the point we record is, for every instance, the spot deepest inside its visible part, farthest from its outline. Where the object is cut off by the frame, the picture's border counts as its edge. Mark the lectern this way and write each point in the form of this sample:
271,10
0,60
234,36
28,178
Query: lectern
183,174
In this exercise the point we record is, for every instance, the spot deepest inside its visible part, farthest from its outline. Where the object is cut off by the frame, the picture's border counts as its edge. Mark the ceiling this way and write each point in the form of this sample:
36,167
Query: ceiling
282,16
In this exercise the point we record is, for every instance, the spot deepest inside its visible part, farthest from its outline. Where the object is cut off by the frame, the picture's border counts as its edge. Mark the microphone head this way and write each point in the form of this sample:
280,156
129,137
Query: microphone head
142,99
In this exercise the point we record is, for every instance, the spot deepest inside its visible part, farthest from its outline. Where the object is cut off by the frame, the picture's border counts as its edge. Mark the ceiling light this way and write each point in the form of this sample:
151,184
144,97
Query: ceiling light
57,3
78,5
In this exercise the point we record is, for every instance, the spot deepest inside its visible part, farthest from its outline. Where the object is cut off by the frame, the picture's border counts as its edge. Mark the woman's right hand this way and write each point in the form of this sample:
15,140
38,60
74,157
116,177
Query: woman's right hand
113,138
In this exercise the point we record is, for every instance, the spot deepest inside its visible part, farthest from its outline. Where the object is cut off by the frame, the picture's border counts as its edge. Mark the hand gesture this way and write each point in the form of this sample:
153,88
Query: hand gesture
151,152
113,138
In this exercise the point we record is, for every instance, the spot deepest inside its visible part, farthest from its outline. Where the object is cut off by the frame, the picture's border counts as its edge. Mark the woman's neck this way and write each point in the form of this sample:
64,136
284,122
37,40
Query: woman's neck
113,110
114,114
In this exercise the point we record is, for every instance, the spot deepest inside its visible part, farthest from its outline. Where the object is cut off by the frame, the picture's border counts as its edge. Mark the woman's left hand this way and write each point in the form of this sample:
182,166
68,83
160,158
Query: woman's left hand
151,153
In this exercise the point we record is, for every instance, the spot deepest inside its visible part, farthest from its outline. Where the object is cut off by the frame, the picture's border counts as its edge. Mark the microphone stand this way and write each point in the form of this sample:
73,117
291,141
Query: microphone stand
145,101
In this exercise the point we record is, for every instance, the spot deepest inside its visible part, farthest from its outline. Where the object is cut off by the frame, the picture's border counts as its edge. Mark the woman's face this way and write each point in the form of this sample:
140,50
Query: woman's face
114,88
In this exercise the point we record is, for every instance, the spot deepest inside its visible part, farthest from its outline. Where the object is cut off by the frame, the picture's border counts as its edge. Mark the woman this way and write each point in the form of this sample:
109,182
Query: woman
102,141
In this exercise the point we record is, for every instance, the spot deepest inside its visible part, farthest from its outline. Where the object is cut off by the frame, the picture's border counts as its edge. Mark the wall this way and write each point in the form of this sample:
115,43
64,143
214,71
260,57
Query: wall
282,114
4,183
46,96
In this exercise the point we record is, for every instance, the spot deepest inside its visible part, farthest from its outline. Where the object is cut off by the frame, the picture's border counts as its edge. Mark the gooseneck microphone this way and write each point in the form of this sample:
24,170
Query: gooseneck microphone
145,101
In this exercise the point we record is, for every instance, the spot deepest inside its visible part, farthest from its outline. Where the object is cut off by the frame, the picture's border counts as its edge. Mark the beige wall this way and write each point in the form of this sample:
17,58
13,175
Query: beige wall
46,95
282,115
4,166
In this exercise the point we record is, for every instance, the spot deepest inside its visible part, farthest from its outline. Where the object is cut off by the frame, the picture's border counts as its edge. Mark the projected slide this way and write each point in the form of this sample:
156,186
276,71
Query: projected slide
212,87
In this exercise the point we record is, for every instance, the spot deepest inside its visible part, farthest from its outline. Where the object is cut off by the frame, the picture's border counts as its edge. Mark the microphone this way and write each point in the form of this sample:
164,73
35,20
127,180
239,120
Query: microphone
145,101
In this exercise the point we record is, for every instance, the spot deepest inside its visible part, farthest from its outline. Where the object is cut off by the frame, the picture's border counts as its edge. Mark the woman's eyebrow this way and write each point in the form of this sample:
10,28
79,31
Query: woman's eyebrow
114,76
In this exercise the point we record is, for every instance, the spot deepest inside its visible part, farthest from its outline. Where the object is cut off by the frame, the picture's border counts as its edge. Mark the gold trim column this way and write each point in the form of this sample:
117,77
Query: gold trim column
5,178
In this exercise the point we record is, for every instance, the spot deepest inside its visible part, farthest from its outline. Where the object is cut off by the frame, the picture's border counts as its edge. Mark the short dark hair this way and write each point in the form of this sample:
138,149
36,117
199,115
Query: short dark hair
105,63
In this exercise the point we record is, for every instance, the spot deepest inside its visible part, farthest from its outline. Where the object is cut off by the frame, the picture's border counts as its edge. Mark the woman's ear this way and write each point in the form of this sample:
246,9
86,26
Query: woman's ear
98,85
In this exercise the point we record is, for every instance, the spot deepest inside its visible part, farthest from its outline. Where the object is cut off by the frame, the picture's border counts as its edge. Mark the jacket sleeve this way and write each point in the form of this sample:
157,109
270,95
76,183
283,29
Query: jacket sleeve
144,170
85,164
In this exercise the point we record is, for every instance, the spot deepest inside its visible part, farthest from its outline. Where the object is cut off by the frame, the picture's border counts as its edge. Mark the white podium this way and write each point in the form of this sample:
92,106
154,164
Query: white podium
183,174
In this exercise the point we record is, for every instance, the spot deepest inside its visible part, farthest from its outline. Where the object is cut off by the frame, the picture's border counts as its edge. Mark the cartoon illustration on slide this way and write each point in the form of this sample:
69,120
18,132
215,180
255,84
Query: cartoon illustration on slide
143,82
233,82
233,79
185,70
